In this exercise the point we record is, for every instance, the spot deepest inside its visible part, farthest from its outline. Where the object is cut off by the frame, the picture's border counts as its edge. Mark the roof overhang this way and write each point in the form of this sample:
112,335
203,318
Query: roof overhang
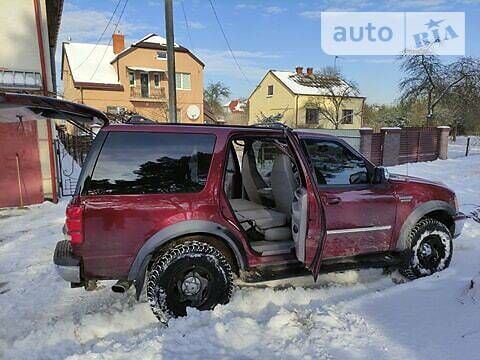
145,69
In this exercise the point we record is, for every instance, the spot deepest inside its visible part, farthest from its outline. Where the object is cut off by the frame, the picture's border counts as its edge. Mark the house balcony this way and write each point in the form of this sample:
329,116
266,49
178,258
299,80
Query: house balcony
150,95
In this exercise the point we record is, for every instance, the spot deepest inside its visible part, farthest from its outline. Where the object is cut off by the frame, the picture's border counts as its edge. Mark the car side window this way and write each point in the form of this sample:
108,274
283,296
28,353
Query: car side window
152,163
334,164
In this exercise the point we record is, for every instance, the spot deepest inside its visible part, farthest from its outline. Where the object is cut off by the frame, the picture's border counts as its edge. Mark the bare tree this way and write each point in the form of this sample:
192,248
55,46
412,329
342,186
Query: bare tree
337,90
214,94
427,78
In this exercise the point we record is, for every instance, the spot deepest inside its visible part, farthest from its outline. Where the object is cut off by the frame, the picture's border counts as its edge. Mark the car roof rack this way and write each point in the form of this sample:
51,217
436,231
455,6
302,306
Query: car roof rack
273,125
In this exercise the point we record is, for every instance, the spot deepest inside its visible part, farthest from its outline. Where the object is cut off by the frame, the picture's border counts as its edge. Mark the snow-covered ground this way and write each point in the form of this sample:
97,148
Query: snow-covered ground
457,149
350,315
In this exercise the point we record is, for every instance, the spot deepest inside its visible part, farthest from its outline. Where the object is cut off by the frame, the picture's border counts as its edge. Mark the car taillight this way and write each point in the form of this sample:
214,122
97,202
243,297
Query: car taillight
74,222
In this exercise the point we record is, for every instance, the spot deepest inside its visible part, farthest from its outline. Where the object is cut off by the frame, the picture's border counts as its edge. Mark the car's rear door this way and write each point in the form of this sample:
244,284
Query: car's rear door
316,227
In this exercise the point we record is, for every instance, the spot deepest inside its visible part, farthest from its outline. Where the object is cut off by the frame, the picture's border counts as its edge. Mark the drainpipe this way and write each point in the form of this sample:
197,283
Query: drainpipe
38,23
296,112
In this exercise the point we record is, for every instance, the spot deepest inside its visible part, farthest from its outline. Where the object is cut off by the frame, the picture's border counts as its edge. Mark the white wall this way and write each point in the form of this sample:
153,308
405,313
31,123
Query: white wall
18,36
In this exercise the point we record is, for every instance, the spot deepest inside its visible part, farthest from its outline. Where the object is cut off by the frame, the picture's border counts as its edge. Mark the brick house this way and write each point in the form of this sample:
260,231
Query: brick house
117,78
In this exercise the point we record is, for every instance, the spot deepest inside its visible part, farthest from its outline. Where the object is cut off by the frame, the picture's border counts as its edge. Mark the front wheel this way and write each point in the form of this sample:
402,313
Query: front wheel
190,274
431,249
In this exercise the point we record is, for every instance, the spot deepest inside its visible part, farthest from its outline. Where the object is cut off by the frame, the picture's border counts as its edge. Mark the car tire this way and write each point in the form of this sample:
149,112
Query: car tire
431,249
190,274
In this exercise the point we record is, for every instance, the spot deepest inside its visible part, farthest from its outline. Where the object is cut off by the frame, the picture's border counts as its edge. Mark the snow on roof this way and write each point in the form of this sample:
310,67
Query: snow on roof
292,81
84,60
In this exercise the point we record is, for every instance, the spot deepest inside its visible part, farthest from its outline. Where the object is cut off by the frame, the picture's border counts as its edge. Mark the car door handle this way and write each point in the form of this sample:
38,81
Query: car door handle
333,200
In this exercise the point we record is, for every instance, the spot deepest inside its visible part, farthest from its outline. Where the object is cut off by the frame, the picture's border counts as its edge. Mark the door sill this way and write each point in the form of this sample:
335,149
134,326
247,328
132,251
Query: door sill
295,269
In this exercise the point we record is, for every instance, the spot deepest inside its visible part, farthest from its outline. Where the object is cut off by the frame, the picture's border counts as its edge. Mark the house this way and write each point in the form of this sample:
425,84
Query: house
115,78
236,112
296,97
235,106
27,65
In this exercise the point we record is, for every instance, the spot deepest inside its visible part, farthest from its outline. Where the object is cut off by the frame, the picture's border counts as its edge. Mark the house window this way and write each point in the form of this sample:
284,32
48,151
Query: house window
161,55
183,81
131,78
312,116
347,116
156,80
270,90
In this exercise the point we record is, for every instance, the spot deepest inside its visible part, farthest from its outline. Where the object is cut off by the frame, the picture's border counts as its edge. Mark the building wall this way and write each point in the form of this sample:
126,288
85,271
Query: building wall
355,104
18,36
282,101
292,106
20,52
152,108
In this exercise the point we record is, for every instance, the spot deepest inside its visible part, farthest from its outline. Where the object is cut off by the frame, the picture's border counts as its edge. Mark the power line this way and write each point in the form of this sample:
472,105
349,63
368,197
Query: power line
101,36
110,41
228,43
188,25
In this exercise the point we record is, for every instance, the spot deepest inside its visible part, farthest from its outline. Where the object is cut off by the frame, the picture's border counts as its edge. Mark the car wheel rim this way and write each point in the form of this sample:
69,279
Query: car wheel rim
431,252
193,287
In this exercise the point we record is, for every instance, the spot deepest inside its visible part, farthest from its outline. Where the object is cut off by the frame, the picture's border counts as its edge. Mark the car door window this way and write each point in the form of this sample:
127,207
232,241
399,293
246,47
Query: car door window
334,164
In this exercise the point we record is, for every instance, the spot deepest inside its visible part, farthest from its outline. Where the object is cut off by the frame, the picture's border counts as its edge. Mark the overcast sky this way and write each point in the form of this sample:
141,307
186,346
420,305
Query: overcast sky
263,35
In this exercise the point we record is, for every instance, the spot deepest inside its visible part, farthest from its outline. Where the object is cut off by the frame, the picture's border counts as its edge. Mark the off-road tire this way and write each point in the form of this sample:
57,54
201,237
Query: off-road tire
439,243
164,292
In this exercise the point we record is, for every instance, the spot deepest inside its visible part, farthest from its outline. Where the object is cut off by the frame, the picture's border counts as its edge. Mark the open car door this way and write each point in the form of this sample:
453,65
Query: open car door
24,107
315,217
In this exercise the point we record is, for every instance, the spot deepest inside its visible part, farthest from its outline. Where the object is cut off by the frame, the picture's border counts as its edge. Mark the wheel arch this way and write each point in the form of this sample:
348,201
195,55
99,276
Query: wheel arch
436,209
185,229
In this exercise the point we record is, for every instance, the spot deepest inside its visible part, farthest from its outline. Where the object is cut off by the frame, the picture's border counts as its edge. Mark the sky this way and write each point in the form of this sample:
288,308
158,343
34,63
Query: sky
263,35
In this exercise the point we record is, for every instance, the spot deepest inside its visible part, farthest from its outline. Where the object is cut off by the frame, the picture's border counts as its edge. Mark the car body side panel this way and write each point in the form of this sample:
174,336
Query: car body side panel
417,198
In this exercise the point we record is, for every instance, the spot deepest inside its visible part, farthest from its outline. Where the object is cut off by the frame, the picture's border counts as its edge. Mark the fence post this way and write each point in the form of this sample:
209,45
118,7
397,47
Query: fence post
468,146
366,142
443,132
391,145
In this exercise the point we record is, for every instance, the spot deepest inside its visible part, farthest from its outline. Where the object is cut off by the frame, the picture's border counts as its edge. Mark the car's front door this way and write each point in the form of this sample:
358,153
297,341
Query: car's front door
359,214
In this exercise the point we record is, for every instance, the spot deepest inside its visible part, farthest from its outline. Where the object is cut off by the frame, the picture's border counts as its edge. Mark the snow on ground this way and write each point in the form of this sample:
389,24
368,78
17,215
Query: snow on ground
350,315
457,149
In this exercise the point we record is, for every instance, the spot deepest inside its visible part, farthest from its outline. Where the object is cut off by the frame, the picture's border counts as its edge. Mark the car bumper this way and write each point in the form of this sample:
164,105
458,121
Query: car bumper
67,265
459,220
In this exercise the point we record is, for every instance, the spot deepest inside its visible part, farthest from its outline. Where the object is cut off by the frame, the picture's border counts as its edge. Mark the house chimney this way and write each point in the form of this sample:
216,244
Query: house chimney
299,70
310,71
118,42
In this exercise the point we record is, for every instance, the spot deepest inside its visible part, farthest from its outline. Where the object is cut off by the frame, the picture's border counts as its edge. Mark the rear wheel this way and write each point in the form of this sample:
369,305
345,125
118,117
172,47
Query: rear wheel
431,249
191,274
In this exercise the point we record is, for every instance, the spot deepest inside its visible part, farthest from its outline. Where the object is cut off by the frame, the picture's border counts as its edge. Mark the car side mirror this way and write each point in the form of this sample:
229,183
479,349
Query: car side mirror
360,177
381,175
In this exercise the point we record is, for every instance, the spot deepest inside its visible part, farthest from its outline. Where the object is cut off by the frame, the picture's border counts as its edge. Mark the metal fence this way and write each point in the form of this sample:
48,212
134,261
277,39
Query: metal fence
351,136
418,144
71,151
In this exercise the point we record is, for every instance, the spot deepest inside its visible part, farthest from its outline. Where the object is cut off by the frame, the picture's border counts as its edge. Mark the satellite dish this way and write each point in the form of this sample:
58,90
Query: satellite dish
193,112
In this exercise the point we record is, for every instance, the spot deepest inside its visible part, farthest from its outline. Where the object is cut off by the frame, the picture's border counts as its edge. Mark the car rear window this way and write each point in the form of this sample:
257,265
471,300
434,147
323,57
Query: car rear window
152,163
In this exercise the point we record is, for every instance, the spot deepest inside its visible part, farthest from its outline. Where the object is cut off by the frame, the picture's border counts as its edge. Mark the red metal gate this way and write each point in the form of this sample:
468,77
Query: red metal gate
21,175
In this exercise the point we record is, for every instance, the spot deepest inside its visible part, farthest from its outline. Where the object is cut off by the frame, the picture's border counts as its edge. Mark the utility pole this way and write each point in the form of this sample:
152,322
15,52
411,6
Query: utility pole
172,88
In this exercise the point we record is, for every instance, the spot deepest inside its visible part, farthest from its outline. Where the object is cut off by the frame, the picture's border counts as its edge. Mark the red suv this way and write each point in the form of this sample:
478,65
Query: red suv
191,207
